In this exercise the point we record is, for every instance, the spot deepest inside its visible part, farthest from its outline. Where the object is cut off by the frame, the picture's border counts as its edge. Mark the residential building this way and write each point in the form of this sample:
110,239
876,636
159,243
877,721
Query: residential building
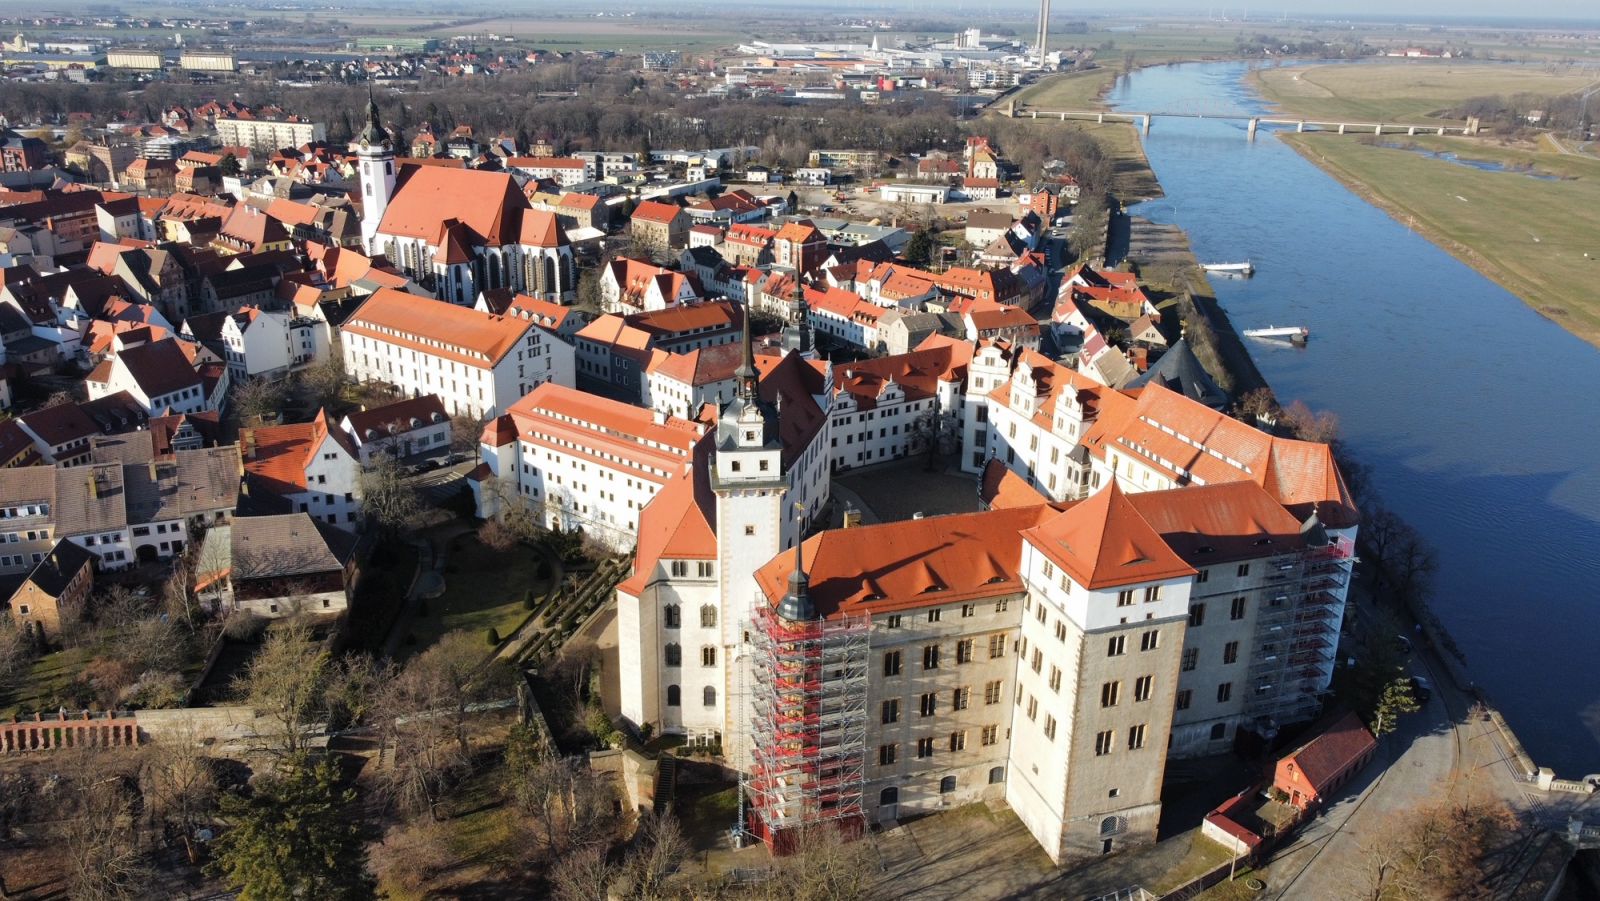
418,425
266,135
477,363
161,376
659,226
56,586
276,566
635,286
306,467
893,407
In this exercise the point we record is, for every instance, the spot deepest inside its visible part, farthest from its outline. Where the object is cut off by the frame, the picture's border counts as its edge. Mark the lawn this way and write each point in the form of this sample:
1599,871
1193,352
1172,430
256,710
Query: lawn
483,590
1398,92
1529,235
50,674
1204,856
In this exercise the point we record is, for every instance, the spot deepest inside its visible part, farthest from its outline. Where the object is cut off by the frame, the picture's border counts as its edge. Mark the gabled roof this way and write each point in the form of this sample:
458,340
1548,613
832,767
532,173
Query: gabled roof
1103,542
657,212
465,335
277,547
488,203
1324,758
541,229
1002,489
1179,370
57,569
159,368
400,416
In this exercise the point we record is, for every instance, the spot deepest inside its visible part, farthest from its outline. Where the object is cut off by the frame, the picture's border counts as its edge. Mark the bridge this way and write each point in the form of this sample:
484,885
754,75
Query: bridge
1143,120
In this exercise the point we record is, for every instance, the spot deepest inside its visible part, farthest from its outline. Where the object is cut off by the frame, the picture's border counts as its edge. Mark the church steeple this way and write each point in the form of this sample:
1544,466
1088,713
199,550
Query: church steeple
745,375
374,149
796,605
797,330
373,134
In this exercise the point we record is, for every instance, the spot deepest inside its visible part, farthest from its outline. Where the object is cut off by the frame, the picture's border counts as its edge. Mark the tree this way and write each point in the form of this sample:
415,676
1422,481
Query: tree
583,875
388,500
1436,851
465,433
659,849
16,655
293,837
285,683
100,833
324,382
567,805
919,250
1395,701
1306,425
825,867
258,399
229,165
181,788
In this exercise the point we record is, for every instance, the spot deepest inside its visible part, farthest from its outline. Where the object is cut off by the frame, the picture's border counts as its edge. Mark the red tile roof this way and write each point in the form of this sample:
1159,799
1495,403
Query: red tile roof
436,328
488,203
1330,754
1103,542
657,212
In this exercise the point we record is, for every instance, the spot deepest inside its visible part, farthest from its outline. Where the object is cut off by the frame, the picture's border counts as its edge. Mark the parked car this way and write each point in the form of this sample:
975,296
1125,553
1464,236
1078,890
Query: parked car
1421,689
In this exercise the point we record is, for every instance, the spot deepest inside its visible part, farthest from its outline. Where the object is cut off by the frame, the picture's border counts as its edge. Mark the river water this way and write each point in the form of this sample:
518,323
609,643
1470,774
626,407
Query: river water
1478,417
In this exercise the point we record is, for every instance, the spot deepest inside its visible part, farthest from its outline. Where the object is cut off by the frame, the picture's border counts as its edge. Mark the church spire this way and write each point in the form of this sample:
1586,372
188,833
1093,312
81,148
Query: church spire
374,132
797,331
796,604
745,375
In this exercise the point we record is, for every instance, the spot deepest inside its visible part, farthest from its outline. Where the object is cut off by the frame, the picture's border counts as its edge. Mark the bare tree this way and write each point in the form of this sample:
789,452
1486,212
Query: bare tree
258,399
414,852
465,433
181,788
99,831
1438,850
389,501
826,867
1309,426
659,849
285,683
16,655
568,806
583,875
324,382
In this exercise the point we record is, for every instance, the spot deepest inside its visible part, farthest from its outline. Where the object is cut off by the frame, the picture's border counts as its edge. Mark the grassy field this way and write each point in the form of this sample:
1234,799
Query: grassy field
483,590
1069,90
1529,235
1396,92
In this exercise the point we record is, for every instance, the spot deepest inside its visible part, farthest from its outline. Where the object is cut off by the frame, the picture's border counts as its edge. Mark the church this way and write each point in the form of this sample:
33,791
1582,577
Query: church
458,232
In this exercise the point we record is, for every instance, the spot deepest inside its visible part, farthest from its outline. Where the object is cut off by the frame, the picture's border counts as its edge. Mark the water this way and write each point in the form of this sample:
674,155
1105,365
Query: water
1484,165
1477,416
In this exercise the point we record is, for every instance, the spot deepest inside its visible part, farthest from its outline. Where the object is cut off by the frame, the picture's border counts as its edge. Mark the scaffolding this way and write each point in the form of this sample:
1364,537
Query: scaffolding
808,726
1297,633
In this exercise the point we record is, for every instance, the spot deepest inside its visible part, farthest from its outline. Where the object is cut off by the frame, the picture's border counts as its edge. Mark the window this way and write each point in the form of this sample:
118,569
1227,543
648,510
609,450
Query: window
1125,598
968,611
1185,698
669,616
1116,645
1055,678
891,710
674,655
1136,737
958,742
1197,615
748,530
1050,727
890,795
708,656
1224,692
999,606
1219,731
960,698
1244,570
891,663
886,754
1142,688
674,696
930,656
1236,611
991,692
1152,594
1049,569
1033,707
1150,640
997,775
1230,652
933,615
1110,693
1103,742
680,568
1061,632
964,650
1041,614
997,645
1038,660
1202,577
893,621
1191,656
924,748
708,616
709,697
989,736
929,704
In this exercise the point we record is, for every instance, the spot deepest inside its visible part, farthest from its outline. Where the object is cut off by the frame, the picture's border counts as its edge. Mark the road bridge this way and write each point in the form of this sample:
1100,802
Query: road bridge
1145,119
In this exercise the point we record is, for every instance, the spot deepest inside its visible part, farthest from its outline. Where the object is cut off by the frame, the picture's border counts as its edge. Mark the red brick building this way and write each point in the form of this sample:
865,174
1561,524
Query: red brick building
1322,765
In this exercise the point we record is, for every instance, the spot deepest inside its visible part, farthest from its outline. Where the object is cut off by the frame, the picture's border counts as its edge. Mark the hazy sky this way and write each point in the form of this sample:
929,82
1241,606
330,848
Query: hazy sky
1542,10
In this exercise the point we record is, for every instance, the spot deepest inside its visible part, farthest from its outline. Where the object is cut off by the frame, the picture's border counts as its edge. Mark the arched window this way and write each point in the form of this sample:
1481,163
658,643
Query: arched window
708,616
669,616
1112,825
674,655
548,284
569,274
997,775
528,283
505,269
709,697
947,785
674,696
708,655
890,795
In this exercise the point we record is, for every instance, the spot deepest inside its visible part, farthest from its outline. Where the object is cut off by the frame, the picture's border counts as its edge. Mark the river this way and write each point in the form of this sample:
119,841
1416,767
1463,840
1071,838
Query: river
1476,415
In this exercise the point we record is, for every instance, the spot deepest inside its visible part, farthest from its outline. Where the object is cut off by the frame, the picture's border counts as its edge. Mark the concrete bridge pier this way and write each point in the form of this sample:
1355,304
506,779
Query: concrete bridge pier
1250,134
1441,132
1011,109
1146,124
1033,114
1341,128
1377,129
1412,130
1100,118
1300,126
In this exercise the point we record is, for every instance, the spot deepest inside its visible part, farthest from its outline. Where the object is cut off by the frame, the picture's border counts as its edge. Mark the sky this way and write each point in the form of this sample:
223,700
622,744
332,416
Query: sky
1443,10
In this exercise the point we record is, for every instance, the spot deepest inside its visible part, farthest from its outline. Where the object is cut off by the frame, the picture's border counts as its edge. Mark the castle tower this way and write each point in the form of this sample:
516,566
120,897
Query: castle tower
750,486
797,327
375,162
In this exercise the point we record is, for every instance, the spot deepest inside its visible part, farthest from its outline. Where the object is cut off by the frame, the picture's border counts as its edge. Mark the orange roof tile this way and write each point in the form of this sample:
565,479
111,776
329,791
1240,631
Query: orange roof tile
1103,542
456,333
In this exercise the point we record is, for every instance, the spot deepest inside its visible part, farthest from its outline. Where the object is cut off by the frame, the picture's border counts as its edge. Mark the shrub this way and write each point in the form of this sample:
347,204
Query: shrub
529,603
494,636
242,625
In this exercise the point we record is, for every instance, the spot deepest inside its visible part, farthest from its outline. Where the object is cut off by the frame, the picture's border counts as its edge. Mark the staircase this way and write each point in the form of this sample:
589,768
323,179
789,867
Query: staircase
666,782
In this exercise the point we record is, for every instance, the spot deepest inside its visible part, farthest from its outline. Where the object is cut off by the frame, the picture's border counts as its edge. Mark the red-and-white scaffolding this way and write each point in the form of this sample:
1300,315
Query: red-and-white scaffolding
808,726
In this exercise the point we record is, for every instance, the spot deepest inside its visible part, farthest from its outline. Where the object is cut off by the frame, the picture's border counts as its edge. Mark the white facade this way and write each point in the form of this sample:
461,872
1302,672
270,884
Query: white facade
268,344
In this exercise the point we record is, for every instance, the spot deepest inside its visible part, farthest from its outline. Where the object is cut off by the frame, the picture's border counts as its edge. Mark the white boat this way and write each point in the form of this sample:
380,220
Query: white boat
1294,334
1241,269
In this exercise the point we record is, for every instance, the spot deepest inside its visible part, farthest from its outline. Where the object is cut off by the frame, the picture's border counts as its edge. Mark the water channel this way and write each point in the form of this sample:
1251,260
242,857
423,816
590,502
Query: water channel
1477,416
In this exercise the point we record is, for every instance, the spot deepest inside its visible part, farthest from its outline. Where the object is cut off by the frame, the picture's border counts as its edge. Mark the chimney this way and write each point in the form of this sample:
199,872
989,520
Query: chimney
250,444
153,476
